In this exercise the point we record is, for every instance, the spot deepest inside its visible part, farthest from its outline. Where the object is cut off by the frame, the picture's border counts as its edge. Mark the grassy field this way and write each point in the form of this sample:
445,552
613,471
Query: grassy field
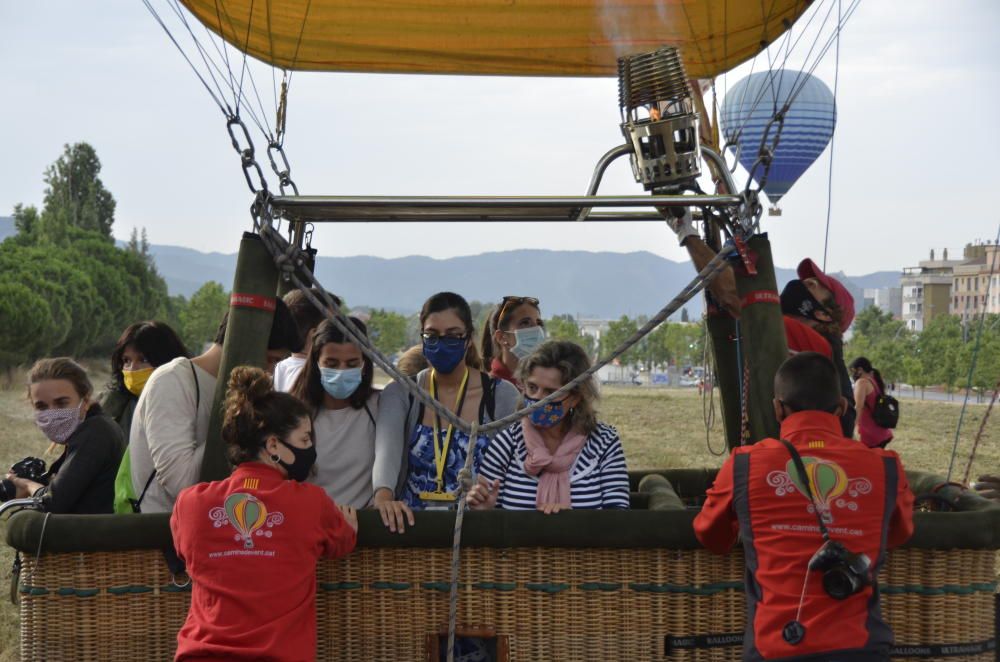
660,428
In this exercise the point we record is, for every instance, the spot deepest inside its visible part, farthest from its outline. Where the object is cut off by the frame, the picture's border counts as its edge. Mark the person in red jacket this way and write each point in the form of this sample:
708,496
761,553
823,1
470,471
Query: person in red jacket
801,603
251,541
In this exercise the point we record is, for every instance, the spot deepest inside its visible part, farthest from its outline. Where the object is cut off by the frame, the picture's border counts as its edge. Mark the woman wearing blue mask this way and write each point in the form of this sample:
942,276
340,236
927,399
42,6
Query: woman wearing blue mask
336,384
513,331
417,454
559,456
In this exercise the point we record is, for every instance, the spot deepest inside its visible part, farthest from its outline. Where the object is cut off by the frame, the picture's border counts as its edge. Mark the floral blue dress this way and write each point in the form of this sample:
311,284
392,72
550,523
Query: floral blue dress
421,476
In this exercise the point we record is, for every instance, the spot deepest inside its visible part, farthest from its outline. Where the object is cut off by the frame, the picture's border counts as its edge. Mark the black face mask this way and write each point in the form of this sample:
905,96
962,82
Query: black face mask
796,299
305,458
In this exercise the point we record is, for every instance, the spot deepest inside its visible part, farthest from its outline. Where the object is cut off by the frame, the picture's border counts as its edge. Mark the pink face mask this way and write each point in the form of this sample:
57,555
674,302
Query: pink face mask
58,425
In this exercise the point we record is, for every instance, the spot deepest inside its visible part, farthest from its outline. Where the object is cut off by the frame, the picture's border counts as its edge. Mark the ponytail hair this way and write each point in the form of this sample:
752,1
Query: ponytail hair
254,411
866,365
488,345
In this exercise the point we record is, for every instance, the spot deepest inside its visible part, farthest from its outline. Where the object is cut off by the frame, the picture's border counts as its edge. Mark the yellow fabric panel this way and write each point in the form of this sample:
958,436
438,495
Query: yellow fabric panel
503,37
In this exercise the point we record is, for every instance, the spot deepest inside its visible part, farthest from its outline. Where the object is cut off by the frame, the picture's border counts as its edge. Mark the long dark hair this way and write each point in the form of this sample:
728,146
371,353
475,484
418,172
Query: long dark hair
866,365
308,387
443,301
156,341
254,411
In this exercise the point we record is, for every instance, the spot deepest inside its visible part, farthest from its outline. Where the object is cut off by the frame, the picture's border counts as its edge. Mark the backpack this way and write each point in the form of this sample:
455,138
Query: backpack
125,500
885,411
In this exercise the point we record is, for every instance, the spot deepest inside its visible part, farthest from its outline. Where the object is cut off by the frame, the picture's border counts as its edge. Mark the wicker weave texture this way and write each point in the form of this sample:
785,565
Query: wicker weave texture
551,604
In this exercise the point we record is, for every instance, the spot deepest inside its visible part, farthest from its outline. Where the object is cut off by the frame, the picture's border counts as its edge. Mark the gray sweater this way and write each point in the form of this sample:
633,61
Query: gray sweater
397,418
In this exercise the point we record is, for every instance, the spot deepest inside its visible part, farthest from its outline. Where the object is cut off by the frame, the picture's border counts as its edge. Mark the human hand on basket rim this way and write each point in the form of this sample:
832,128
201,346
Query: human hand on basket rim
393,513
988,487
350,515
484,494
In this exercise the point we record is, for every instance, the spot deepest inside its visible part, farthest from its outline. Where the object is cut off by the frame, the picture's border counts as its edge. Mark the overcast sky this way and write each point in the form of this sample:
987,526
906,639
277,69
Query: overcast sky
914,167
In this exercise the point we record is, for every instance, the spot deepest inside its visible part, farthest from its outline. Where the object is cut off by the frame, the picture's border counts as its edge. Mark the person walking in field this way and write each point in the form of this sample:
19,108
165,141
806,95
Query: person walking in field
868,386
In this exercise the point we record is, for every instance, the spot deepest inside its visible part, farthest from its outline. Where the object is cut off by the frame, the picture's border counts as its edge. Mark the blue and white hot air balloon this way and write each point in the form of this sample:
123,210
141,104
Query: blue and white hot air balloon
809,121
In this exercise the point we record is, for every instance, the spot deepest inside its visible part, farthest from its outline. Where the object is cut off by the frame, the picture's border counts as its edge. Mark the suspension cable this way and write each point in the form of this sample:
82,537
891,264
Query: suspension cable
288,258
979,434
833,138
218,102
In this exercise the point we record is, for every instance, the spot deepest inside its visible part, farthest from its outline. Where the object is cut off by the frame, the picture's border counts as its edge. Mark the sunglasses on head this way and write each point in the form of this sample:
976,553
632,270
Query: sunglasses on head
514,301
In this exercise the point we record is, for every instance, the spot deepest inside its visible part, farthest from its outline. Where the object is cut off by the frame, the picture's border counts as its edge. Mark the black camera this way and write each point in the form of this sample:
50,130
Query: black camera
844,572
30,468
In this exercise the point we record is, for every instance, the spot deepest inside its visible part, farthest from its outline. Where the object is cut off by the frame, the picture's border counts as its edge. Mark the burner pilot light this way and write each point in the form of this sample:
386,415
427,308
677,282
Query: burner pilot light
664,136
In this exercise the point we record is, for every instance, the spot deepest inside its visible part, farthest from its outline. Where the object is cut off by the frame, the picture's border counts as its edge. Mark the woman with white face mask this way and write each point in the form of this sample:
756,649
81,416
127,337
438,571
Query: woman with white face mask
336,385
513,331
82,479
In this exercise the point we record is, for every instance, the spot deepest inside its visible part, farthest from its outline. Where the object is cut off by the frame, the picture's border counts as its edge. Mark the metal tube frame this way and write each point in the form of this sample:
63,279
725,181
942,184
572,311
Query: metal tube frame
464,209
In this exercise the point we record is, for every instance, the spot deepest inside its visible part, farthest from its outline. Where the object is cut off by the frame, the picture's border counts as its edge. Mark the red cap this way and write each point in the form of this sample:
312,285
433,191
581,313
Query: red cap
808,269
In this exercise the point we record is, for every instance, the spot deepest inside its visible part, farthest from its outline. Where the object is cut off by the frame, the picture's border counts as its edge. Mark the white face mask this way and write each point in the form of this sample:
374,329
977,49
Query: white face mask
527,340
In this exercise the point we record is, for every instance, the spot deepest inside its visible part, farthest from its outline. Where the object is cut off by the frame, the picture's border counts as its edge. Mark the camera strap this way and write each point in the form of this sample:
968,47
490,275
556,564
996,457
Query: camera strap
800,467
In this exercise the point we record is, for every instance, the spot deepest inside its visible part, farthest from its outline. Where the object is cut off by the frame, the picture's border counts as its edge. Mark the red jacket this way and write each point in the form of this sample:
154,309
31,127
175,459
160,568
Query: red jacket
251,543
499,370
866,500
803,338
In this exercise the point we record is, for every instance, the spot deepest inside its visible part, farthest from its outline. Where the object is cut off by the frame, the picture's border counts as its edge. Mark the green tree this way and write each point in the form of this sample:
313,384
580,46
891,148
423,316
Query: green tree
200,318
882,340
618,331
75,195
564,327
940,349
65,257
388,331
26,317
26,220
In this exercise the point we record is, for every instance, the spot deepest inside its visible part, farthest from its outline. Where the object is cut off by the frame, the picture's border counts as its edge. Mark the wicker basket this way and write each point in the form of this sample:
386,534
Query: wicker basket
542,603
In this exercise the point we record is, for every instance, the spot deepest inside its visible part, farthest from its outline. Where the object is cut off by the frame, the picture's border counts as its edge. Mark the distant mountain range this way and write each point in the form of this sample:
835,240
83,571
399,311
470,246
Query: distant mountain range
599,285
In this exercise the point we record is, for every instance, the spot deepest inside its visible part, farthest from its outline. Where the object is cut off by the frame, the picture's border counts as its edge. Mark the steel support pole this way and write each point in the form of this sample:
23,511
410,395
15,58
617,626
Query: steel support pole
247,333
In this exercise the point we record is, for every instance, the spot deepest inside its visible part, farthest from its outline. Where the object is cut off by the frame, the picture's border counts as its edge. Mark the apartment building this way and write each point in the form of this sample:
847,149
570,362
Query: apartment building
976,282
926,290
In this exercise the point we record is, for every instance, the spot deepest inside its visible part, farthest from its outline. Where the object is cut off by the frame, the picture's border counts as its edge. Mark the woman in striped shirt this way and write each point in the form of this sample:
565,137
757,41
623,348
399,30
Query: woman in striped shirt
559,456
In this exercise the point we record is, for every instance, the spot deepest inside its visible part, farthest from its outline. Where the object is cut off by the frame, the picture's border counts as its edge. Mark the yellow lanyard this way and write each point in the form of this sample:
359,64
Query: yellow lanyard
441,447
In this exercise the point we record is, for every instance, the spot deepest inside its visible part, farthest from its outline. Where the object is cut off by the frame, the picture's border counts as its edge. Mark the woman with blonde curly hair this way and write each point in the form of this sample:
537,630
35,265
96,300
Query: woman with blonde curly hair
559,456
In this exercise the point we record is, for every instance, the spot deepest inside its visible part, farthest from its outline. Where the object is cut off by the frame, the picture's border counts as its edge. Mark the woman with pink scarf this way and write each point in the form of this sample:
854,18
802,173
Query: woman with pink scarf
560,456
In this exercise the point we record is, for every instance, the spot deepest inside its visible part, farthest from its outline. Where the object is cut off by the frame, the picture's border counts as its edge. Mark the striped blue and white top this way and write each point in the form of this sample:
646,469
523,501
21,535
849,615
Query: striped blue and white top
598,479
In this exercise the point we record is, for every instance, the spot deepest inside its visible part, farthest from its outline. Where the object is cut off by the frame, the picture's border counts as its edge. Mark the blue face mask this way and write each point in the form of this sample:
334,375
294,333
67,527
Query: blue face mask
445,354
548,416
340,384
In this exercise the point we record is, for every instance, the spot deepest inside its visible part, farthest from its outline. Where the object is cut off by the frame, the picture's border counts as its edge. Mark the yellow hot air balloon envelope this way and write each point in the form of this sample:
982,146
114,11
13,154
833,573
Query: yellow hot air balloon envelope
509,37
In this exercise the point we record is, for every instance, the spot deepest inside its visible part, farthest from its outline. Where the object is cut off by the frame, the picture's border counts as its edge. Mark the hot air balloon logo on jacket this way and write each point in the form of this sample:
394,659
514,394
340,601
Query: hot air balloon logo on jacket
248,516
830,484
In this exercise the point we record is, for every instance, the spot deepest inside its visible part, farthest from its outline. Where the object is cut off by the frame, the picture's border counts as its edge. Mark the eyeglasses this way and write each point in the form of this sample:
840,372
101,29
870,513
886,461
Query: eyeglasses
433,339
516,301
